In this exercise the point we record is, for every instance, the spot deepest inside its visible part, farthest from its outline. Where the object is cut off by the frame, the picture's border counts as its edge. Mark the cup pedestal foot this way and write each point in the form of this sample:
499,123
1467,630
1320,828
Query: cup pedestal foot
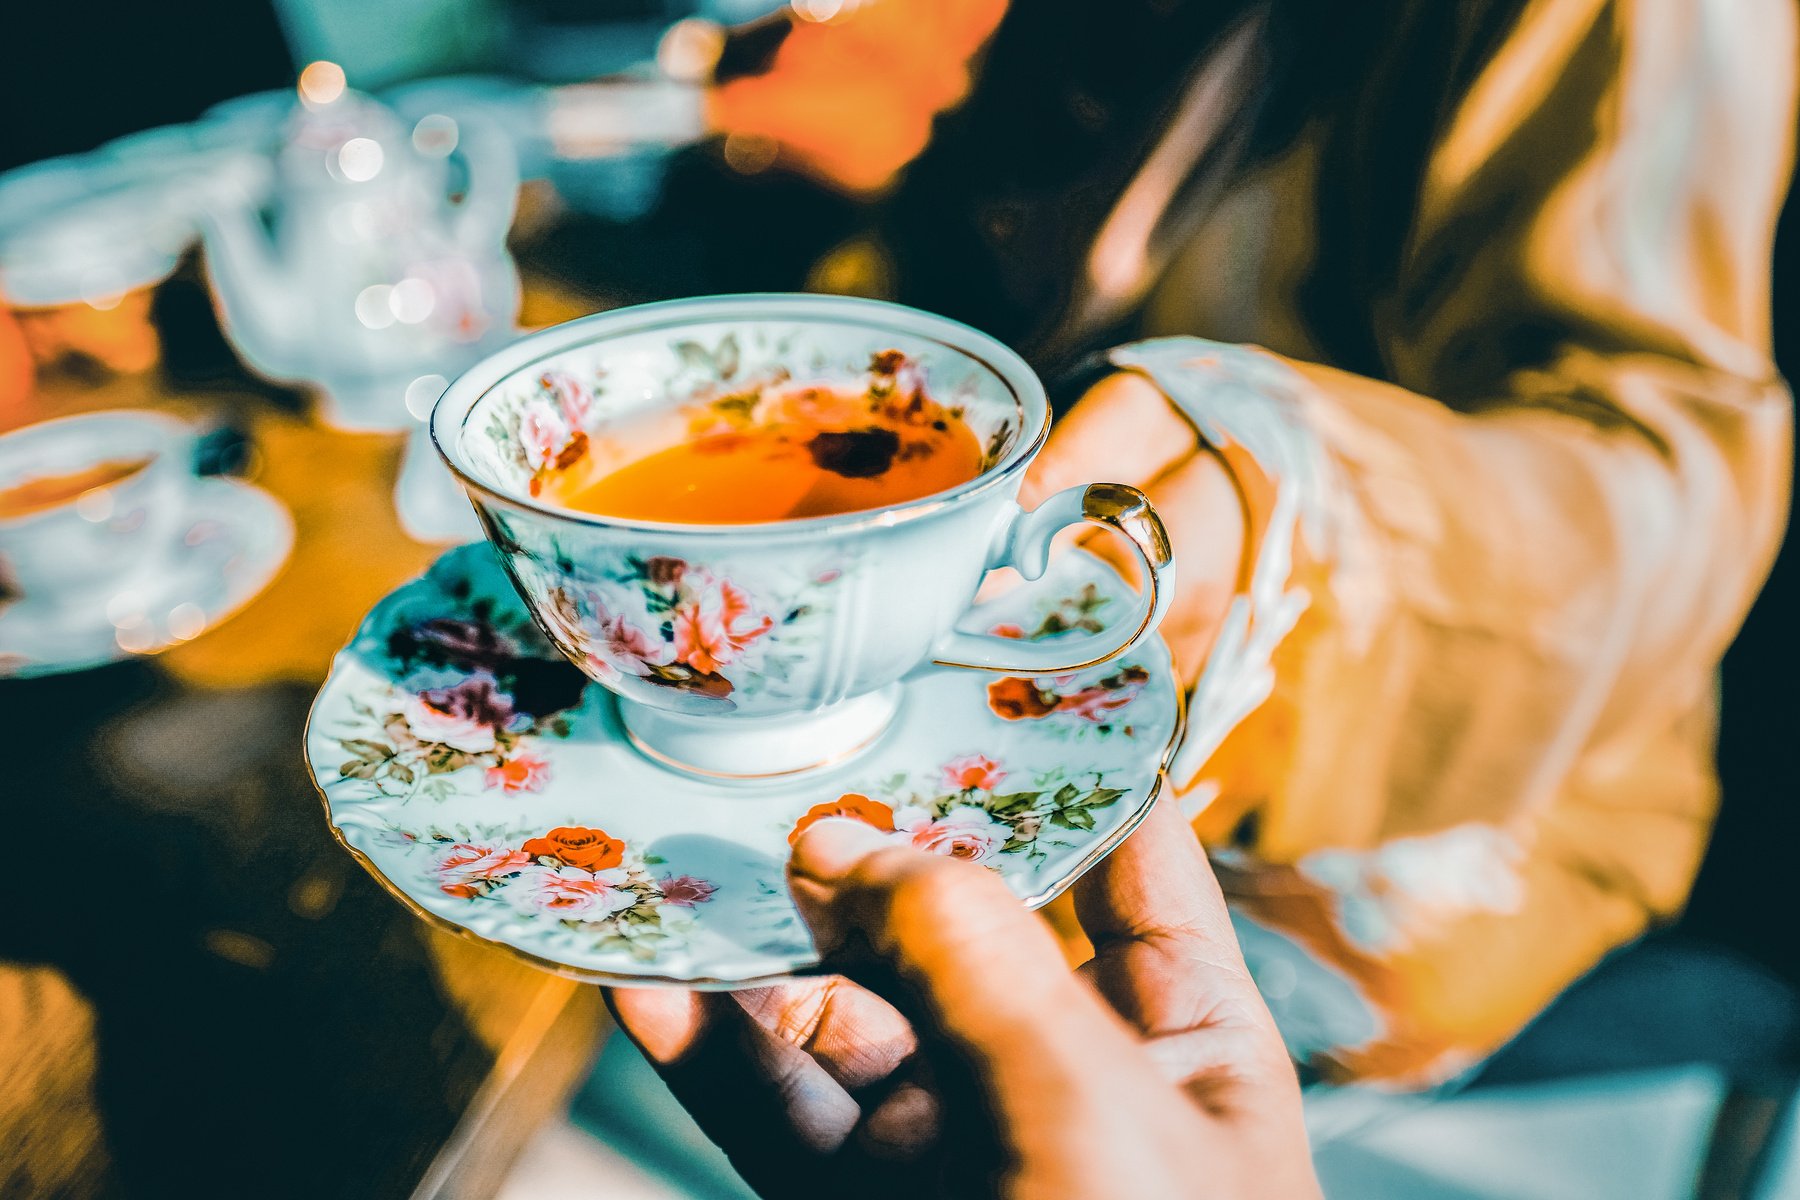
752,748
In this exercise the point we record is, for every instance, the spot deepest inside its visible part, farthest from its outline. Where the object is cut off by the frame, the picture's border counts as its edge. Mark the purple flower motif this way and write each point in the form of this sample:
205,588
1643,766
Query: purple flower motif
685,891
465,716
469,643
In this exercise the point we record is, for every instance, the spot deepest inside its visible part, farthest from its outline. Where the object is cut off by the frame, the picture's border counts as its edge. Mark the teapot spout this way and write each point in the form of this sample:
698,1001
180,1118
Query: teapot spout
486,211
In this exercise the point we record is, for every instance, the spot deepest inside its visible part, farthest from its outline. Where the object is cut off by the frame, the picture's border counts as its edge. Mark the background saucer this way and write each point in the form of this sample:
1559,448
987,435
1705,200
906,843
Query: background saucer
237,539
487,784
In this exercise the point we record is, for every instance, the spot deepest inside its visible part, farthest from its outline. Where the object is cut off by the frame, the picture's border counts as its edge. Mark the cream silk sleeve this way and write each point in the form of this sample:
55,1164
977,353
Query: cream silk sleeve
1454,740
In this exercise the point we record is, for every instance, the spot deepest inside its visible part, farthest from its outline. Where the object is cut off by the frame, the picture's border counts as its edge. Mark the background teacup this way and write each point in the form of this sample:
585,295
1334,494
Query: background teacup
759,650
75,552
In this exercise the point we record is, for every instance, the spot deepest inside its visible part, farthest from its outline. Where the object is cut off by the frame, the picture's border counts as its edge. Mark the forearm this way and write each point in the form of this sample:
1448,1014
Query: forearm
1461,736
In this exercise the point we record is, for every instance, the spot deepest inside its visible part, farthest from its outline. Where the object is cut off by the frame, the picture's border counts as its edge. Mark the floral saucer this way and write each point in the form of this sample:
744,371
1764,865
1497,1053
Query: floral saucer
237,539
488,784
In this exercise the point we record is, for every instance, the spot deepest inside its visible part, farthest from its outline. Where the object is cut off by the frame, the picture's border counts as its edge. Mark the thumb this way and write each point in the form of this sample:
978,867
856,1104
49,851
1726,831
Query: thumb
968,960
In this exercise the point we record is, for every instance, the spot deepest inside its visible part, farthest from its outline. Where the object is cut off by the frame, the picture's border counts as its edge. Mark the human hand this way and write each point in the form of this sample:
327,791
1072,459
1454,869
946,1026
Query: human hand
1124,430
973,1062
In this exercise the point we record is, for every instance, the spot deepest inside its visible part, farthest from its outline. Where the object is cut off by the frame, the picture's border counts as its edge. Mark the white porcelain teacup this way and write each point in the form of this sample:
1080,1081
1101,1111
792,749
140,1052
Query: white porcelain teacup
758,650
75,546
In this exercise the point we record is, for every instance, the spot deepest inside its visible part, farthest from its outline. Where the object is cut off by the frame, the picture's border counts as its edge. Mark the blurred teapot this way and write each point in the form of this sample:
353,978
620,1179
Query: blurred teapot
371,271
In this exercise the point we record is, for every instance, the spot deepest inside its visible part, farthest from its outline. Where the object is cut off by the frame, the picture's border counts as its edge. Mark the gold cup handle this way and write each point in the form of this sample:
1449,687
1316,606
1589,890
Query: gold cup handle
1114,506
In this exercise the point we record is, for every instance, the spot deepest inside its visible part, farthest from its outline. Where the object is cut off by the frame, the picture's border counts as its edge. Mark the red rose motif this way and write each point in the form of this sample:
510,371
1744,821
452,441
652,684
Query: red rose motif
574,846
1016,699
717,626
1007,629
521,774
973,771
853,805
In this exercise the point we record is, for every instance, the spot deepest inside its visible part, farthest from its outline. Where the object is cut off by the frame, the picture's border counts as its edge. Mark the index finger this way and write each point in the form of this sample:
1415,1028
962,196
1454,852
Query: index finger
1122,429
1157,882
1161,932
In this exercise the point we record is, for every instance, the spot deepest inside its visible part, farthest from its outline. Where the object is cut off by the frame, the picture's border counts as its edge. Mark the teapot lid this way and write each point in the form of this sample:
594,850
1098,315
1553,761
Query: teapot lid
352,138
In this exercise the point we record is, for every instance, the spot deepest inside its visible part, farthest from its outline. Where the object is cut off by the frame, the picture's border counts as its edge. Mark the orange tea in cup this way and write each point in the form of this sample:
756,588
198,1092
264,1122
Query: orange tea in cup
779,452
39,492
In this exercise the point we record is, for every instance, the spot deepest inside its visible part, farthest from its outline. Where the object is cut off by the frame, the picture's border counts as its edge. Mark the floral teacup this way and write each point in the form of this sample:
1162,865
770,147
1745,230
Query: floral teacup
72,554
752,651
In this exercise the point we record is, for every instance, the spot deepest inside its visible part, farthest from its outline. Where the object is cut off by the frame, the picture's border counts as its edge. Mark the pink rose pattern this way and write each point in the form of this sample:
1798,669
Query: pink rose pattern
973,771
967,816
469,715
625,906
620,646
572,894
717,626
469,870
548,431
686,891
574,399
967,832
543,434
670,623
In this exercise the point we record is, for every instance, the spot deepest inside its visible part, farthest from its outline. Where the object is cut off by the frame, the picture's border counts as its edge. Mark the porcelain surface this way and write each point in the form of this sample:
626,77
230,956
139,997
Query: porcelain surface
374,276
489,785
232,540
744,623
71,555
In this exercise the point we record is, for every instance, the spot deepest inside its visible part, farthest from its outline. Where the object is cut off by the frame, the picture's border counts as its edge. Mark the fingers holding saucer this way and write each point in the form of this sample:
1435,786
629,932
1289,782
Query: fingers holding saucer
859,1038
1123,430
1165,953
767,1103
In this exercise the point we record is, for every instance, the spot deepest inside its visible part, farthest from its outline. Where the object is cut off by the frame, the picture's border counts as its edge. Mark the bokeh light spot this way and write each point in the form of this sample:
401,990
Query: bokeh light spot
321,83
435,135
373,306
412,300
750,154
360,159
422,395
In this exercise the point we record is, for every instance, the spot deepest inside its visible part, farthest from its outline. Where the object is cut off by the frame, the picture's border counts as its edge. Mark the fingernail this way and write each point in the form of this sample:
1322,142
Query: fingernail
828,849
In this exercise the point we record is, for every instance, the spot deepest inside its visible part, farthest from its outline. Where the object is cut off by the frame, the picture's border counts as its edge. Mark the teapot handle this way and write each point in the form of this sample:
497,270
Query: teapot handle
486,211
